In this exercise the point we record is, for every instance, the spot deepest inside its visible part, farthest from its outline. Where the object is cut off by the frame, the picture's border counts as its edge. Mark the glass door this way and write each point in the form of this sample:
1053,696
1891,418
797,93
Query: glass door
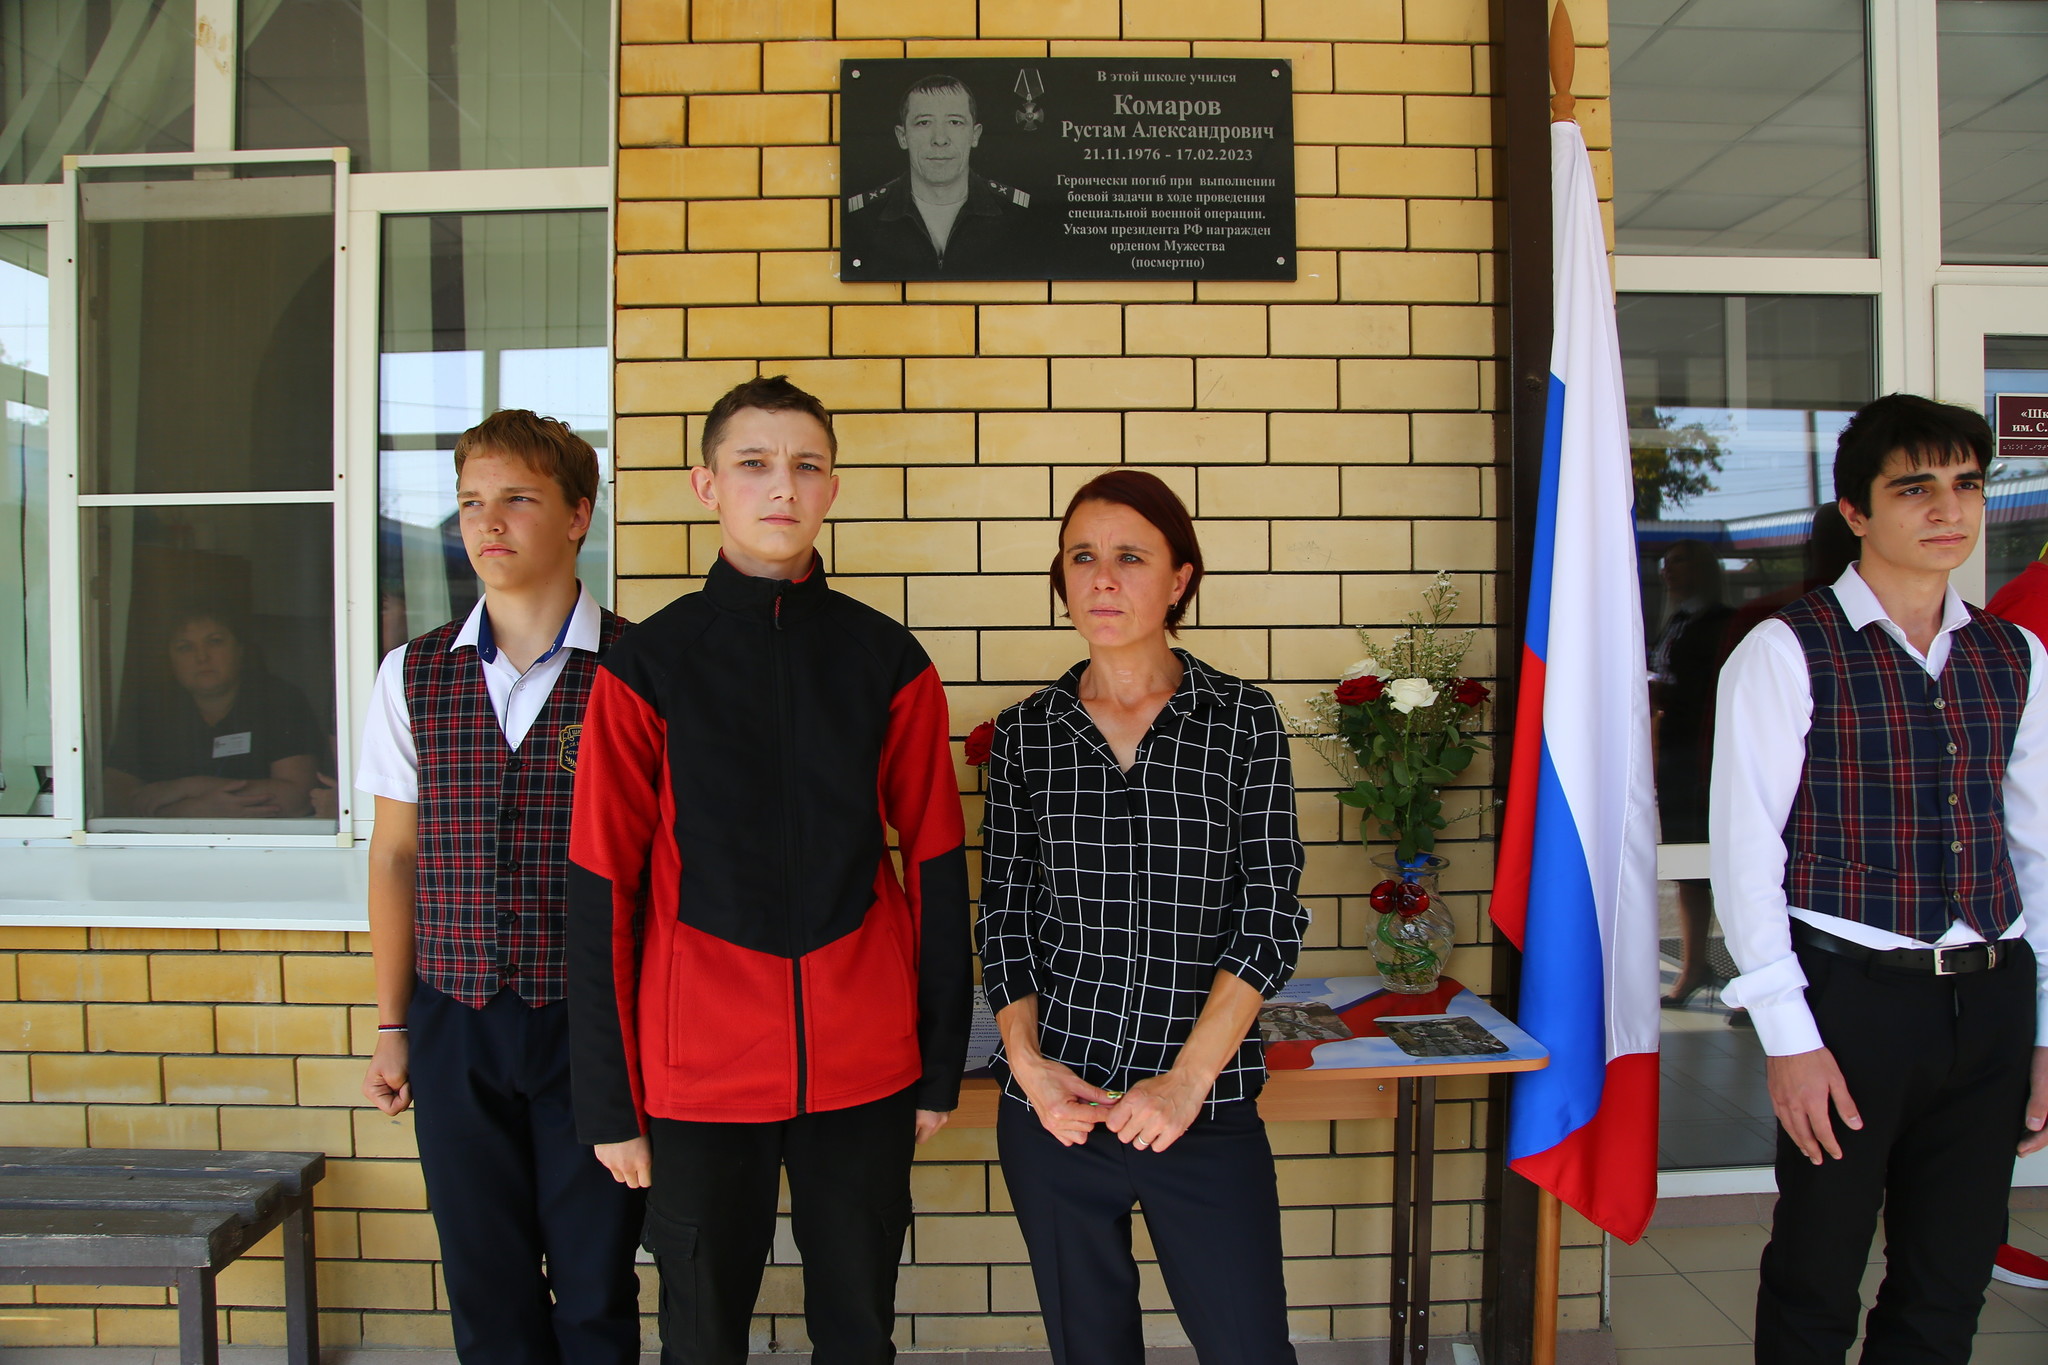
1734,405
1991,351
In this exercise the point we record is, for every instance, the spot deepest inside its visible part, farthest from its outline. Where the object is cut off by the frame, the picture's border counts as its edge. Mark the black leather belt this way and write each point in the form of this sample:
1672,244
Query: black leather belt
1953,960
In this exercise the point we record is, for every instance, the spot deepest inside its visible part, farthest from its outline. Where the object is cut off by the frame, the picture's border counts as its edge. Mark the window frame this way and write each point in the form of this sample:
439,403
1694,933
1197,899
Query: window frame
71,505
1905,155
362,202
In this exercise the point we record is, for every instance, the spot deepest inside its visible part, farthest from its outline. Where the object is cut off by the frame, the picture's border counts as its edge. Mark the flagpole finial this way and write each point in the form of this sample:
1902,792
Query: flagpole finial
1562,60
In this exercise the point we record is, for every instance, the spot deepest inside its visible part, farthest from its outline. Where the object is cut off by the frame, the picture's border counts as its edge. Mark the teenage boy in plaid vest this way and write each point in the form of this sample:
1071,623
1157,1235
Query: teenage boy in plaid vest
470,749
753,990
1879,822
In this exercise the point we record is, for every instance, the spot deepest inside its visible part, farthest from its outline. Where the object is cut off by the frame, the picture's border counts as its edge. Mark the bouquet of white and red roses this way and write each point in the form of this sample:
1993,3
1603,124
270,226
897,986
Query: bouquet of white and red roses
1399,725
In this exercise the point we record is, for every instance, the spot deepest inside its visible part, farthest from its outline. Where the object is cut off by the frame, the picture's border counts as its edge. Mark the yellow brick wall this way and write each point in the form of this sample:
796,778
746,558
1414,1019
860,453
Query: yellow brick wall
217,1038
1333,436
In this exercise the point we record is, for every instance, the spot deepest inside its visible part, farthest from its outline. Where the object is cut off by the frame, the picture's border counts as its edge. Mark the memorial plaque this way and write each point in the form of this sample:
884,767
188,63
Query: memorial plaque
1066,168
2021,423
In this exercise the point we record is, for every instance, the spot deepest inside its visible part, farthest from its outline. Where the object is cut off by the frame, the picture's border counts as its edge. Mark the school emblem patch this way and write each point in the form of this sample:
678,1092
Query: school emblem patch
566,742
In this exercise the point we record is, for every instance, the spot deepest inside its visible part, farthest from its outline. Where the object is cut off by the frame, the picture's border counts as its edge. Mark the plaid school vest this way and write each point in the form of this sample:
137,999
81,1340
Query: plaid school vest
1899,822
493,823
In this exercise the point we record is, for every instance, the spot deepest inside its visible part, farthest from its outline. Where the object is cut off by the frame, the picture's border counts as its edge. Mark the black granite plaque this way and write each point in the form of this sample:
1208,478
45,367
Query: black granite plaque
1066,168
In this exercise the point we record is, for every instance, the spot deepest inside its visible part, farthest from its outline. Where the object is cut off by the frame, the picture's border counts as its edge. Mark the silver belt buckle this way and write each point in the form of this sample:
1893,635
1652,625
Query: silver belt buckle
1941,967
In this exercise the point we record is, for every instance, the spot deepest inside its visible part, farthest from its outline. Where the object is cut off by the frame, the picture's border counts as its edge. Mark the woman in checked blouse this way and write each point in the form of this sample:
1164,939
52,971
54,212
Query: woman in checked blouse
1138,902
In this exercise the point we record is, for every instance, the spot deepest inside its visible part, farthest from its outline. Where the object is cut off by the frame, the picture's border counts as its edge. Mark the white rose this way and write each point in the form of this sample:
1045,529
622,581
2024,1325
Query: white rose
1408,694
1363,668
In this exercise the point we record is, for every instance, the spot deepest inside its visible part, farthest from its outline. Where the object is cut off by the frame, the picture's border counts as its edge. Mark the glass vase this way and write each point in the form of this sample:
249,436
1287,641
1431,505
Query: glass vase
1412,944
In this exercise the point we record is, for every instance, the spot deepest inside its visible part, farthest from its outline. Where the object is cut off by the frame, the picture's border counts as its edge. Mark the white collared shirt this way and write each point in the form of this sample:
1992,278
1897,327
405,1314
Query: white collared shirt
390,764
1762,714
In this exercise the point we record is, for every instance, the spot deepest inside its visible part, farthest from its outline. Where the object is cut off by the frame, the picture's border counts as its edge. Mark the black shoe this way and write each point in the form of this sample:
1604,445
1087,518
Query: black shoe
1678,998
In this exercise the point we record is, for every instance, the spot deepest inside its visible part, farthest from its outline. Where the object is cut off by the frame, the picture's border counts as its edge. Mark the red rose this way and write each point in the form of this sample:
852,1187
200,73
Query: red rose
1359,691
1471,692
978,741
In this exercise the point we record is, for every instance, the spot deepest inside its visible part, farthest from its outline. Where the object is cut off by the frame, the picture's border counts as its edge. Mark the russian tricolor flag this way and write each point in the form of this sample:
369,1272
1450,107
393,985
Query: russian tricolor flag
1576,886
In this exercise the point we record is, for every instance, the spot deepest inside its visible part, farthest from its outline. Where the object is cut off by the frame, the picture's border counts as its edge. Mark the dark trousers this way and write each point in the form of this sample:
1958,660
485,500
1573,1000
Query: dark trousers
711,1224
1212,1206
1939,1070
537,1239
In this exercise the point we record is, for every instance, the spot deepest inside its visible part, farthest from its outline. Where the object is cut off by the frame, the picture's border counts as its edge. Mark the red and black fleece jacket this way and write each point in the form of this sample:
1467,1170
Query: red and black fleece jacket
740,949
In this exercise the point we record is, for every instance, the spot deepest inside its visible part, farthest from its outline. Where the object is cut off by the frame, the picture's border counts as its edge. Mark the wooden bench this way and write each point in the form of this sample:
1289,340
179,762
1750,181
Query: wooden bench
71,1215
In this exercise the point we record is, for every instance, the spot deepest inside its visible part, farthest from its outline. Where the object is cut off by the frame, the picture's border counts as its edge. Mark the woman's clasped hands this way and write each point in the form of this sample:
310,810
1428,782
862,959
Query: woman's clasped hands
1154,1113
1149,1116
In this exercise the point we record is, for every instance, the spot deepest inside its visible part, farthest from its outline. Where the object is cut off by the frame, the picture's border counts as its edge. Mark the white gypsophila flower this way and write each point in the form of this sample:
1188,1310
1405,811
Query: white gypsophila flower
1363,668
1409,694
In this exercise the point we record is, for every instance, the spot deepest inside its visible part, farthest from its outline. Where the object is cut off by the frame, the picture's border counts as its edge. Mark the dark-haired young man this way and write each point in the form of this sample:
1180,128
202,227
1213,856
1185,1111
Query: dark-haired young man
1879,821
753,990
470,751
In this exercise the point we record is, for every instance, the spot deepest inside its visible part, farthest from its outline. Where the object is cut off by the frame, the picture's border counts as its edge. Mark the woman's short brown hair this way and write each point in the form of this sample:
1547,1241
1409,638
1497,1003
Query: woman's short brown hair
545,443
1148,496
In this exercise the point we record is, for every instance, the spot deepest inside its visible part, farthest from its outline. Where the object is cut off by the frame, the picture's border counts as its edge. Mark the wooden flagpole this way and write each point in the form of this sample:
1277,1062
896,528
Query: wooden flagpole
1562,60
1543,1333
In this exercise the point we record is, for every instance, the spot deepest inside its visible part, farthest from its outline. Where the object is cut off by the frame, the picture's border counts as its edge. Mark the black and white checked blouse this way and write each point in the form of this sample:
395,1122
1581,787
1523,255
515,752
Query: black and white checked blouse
1114,897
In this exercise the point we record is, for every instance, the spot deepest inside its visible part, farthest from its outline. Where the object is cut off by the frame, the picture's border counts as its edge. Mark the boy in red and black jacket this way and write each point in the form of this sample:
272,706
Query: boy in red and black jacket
751,987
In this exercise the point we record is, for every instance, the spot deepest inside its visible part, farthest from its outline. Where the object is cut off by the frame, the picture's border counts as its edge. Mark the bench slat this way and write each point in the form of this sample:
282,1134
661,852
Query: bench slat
74,1238
296,1171
247,1197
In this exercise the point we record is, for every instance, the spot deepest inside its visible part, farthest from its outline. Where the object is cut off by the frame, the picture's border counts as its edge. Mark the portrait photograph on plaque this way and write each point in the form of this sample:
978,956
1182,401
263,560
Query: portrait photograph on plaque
1066,168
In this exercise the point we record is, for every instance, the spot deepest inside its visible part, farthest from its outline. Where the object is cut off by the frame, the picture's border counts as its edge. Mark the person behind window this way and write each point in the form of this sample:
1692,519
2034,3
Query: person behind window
233,741
1685,660
1139,875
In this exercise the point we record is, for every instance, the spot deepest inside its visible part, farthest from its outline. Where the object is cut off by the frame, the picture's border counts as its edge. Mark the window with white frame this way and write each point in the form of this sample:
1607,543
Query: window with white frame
238,335
482,311
1994,131
1741,129
205,456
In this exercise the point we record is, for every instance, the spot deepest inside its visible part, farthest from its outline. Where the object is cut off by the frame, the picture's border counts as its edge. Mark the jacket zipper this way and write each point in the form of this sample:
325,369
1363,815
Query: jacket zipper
796,959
